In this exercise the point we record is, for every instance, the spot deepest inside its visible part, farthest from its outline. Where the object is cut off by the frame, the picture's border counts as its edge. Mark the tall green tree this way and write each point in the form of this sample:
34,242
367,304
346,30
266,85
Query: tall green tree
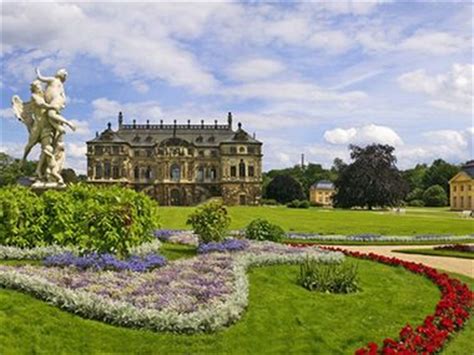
439,173
284,188
435,196
371,180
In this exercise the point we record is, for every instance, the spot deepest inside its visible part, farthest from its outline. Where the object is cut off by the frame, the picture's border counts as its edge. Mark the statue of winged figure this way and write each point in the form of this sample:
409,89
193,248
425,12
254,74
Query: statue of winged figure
45,124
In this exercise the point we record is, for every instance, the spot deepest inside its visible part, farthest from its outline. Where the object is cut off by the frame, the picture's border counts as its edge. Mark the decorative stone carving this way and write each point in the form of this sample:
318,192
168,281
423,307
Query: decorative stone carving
45,124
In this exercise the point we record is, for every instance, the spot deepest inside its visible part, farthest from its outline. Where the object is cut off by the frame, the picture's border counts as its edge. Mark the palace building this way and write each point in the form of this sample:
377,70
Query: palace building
179,164
461,188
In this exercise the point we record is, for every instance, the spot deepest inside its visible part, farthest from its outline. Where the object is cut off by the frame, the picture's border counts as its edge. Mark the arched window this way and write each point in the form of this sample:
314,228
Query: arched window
107,170
98,171
115,172
175,172
242,168
136,172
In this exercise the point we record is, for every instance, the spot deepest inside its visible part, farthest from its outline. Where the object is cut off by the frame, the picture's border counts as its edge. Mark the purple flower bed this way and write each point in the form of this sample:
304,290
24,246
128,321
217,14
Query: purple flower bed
99,262
226,245
457,247
163,234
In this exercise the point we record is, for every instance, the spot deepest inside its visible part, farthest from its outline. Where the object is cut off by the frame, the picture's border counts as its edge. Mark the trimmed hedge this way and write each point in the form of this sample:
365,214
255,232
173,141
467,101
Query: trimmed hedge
112,219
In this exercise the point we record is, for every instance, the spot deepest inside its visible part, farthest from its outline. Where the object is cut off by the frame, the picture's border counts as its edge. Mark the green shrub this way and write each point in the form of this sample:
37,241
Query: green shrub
328,277
22,218
210,222
416,203
316,204
261,229
111,219
435,196
269,202
298,204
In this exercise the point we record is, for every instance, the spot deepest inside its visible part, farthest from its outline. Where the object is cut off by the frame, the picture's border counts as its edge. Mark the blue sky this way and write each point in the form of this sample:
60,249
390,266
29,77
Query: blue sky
308,78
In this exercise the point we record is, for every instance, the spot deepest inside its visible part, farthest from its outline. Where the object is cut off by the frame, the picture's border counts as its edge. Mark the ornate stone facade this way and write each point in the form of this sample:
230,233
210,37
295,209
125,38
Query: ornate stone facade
179,164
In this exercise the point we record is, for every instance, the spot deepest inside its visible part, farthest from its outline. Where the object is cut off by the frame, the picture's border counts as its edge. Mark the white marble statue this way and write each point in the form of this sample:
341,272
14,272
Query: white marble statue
42,117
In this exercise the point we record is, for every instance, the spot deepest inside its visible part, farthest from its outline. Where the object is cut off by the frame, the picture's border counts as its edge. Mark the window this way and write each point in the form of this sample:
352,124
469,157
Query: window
251,171
462,188
201,153
214,153
107,170
213,173
115,150
136,172
233,171
200,174
241,150
242,169
115,172
251,150
454,188
199,139
455,201
149,152
98,171
99,151
136,152
148,174
211,139
175,172
233,150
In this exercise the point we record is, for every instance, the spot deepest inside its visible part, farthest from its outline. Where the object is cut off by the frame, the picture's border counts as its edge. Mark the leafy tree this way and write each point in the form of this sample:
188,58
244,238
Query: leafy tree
415,194
414,177
284,188
435,196
12,169
439,173
372,179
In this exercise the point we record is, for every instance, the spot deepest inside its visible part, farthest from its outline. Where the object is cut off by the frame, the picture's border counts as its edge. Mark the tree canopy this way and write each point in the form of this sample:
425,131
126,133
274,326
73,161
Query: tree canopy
284,188
371,180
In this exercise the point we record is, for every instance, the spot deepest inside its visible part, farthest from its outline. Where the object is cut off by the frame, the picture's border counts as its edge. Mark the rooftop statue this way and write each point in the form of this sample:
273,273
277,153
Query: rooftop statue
46,126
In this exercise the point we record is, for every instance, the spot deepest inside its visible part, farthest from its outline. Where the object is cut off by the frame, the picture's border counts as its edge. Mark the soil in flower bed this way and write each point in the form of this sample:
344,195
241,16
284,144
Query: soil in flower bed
282,317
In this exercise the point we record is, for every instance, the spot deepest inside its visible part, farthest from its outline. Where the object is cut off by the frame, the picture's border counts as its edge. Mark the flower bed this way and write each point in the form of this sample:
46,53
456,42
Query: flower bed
452,311
177,236
98,262
456,247
374,238
226,245
204,293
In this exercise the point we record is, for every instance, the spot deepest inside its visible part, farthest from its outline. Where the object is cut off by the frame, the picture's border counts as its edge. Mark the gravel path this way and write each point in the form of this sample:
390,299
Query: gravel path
458,265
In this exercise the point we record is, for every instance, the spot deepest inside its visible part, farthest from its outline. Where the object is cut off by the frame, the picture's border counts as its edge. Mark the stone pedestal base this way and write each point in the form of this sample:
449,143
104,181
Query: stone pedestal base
40,185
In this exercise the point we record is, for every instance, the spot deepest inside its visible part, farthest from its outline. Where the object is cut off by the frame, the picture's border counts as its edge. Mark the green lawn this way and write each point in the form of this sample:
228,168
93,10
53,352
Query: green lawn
282,318
449,253
325,221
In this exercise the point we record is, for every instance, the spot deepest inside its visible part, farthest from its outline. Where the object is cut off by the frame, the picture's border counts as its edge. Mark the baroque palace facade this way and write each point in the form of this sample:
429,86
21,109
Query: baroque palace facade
179,164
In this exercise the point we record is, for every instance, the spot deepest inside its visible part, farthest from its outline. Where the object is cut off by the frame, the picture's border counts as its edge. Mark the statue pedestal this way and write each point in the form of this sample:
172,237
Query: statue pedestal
40,185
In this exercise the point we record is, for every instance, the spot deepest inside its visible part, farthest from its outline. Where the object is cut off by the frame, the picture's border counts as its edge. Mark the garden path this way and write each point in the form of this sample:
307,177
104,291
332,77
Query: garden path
458,265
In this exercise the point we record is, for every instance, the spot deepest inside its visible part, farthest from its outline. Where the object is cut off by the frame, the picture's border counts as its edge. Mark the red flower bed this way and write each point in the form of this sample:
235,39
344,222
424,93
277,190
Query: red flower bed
452,311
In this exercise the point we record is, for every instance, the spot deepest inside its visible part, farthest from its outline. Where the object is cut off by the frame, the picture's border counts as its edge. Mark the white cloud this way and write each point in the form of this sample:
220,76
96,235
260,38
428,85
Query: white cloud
253,69
437,43
127,38
6,113
82,128
363,135
334,42
451,91
76,150
105,109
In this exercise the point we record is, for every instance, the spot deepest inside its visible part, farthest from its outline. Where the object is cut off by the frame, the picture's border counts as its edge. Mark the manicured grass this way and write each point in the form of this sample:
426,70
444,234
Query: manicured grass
449,253
326,221
282,318
177,251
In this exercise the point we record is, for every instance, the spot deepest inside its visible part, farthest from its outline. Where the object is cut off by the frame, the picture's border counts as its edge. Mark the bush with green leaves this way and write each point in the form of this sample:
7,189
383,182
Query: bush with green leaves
102,219
210,222
328,277
435,196
416,203
22,218
298,204
261,229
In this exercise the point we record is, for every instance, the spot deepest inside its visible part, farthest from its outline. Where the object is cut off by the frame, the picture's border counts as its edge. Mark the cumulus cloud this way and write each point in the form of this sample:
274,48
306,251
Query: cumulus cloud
451,91
437,43
253,69
363,135
106,109
6,113
76,150
334,42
